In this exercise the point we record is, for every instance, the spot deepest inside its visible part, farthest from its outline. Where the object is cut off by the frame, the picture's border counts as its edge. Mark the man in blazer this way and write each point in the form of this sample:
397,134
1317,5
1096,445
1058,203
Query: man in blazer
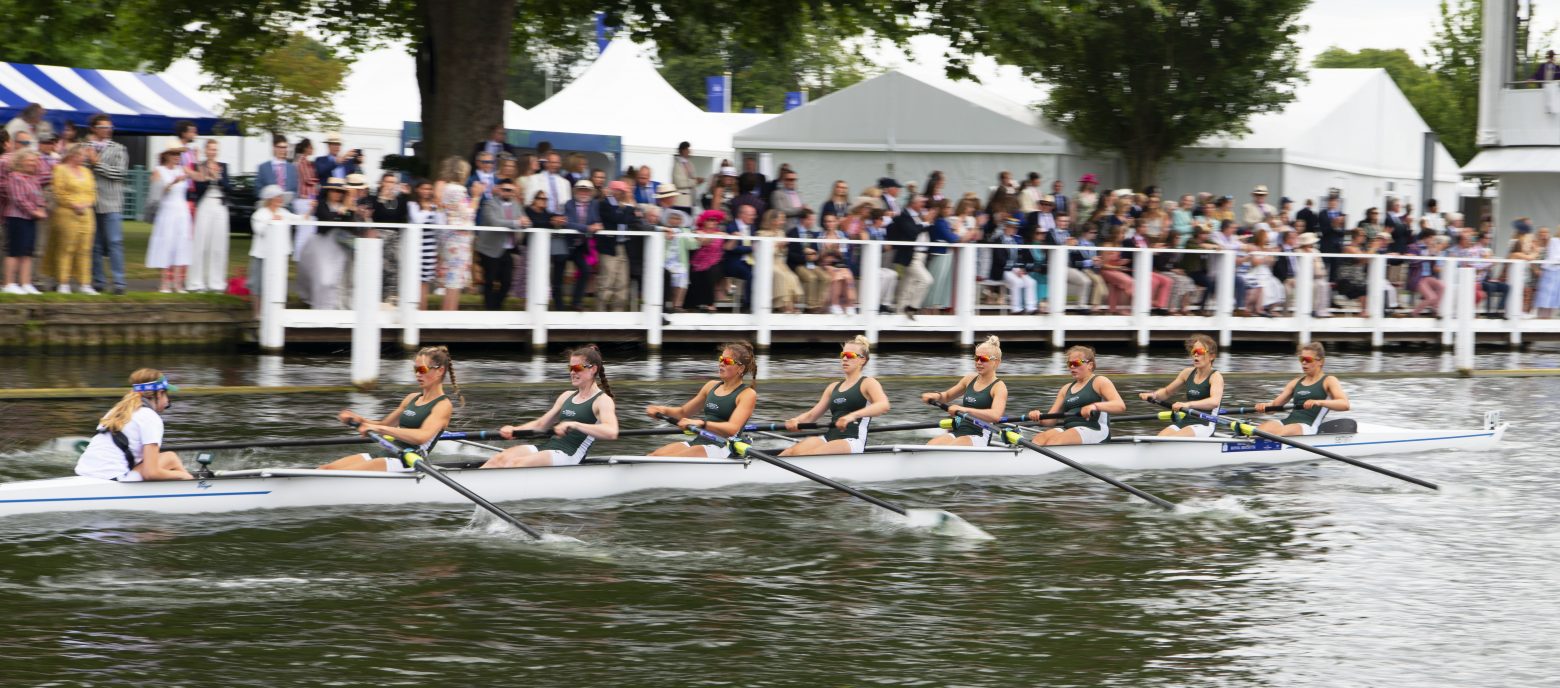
494,249
579,214
495,144
278,170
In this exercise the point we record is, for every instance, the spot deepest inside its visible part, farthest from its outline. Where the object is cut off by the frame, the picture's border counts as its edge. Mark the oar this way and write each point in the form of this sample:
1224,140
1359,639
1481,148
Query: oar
318,441
1013,437
1243,428
411,457
744,449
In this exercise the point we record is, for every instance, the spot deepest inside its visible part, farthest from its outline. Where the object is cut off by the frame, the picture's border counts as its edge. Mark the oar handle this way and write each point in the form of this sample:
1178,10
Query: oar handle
410,457
780,427
1241,427
701,432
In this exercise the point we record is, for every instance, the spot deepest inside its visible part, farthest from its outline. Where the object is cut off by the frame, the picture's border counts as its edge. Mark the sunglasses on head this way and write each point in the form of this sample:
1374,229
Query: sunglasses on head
422,369
580,367
850,355
1077,362
727,360
982,358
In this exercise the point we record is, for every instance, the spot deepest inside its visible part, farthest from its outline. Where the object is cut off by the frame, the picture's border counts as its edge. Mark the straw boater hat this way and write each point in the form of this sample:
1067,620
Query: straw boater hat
356,180
334,184
669,192
1309,239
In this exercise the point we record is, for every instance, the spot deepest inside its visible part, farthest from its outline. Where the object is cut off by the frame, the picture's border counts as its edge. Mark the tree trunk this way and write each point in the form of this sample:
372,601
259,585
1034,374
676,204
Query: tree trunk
1142,165
461,67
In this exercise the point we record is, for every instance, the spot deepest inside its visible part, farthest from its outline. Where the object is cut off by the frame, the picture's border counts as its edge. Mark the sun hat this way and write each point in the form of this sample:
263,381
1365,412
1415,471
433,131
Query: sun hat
1089,179
356,180
272,191
670,192
709,215
584,184
1261,190
1308,239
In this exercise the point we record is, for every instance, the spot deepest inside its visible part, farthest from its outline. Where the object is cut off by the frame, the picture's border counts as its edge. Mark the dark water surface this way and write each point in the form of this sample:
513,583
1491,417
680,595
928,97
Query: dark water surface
1308,574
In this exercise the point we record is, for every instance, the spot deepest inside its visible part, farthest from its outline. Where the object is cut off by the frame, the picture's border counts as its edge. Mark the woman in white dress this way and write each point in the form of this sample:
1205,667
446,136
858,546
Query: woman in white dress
209,259
169,247
1263,290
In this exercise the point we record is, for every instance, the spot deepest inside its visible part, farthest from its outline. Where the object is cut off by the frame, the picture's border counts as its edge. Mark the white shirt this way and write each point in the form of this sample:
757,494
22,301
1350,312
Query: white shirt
261,223
104,459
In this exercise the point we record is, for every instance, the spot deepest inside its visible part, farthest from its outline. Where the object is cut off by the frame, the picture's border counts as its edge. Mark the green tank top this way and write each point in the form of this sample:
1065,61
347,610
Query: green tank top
1303,393
416,414
1077,399
1195,391
975,399
579,412
718,409
843,402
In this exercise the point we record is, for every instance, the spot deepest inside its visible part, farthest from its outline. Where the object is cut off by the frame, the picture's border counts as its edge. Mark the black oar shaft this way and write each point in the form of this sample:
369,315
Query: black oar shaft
1014,437
780,463
428,469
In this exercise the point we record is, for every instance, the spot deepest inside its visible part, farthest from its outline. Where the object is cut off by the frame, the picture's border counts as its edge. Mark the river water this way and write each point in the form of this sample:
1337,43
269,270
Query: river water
1307,574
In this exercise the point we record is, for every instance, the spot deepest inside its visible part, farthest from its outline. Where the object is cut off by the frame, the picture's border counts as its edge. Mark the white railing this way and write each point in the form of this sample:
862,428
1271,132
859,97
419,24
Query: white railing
1455,324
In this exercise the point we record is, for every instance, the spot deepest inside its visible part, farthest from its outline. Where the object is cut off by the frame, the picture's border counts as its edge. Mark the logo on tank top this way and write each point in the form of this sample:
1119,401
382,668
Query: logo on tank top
569,412
1072,399
1193,393
408,413
969,399
839,400
711,405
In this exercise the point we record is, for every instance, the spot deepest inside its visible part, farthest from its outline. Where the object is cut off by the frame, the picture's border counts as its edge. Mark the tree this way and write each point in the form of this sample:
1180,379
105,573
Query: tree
73,33
1429,93
288,88
1455,59
818,61
552,58
1143,78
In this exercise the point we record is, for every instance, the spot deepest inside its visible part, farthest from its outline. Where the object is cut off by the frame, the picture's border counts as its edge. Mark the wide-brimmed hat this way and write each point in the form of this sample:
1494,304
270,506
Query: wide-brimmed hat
1048,199
709,215
272,191
1088,179
1308,239
333,138
334,184
357,180
1261,190
670,192
728,171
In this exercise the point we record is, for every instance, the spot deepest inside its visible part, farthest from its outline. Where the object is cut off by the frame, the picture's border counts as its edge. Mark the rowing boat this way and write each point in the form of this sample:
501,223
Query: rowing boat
272,488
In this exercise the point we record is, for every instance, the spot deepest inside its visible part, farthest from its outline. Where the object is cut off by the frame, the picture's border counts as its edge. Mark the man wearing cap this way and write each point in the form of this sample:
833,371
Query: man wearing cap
684,181
618,214
579,214
1258,209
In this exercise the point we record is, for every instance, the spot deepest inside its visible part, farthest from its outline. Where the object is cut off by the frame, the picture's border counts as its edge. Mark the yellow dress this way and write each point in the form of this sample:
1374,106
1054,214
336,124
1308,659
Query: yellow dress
70,234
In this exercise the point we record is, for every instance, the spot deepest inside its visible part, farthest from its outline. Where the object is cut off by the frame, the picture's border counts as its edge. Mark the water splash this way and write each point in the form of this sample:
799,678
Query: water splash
944,523
1227,506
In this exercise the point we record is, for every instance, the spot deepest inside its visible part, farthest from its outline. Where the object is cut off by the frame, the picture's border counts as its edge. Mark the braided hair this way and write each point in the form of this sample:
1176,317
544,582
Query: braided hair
439,357
592,355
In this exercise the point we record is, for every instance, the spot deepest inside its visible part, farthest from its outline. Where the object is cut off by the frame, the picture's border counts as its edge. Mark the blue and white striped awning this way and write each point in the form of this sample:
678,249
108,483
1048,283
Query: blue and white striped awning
139,103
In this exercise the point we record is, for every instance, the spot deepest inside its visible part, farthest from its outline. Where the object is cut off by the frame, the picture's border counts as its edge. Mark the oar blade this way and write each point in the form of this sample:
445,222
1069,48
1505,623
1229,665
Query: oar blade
945,523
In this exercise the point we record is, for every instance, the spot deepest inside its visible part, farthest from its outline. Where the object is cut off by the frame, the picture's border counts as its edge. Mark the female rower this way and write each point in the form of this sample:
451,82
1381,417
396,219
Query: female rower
981,395
126,446
727,404
416,422
1088,400
853,403
1204,390
1315,393
588,411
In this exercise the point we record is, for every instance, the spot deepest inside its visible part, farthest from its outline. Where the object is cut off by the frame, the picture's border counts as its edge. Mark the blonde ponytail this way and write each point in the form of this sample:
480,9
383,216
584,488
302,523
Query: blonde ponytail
861,341
118,417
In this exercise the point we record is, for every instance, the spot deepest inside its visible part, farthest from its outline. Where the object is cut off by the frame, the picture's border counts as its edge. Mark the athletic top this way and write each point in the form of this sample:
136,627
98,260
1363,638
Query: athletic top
105,459
1077,399
718,409
975,399
1303,393
843,402
579,412
1195,391
415,415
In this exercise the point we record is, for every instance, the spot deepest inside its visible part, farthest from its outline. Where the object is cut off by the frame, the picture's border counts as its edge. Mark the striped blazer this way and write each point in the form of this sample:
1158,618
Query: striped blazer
110,171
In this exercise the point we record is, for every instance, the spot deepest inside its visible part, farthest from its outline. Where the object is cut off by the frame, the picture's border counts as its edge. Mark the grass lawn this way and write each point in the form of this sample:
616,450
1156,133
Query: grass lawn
137,234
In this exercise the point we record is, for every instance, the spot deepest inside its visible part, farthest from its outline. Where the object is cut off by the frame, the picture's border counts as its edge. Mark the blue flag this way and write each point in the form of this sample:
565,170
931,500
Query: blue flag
717,93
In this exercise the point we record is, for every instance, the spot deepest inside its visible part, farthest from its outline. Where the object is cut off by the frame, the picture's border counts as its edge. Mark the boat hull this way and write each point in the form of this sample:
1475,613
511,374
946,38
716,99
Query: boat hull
292,488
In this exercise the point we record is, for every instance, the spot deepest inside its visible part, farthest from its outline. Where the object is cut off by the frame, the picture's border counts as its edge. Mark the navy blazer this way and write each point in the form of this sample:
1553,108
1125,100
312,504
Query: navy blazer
571,220
223,182
265,175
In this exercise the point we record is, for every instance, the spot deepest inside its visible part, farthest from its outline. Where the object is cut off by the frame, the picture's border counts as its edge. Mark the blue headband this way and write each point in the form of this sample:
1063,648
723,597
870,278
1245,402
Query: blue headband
158,385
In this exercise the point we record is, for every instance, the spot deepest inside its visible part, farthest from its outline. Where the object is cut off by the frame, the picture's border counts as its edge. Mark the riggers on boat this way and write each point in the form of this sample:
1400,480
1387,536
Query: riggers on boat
276,488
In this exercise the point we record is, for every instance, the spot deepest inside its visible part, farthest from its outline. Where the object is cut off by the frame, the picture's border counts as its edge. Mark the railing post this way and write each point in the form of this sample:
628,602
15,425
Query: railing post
367,272
964,295
1056,275
1224,296
1516,284
1305,299
869,294
408,281
652,287
763,287
1142,293
1463,353
273,287
539,254
1376,286
1452,278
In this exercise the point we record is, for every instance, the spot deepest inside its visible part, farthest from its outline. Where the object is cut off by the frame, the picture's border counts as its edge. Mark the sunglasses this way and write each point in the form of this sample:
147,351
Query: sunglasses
1199,351
1077,362
423,370
580,367
1307,359
727,360
850,355
981,358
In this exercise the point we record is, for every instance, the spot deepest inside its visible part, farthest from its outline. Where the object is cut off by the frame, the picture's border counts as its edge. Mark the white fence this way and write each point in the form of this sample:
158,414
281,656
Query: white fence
1455,323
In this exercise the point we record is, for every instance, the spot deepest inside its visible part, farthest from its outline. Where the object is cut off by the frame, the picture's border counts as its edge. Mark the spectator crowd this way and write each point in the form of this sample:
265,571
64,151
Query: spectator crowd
62,196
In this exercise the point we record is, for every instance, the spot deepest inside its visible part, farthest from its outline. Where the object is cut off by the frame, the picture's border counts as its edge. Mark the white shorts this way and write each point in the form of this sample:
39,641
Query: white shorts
558,458
711,451
858,444
1316,425
1090,435
981,440
1202,430
392,464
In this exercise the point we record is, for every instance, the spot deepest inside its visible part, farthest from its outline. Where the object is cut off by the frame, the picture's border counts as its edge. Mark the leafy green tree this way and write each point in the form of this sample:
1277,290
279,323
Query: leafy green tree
1142,78
1456,59
56,32
287,88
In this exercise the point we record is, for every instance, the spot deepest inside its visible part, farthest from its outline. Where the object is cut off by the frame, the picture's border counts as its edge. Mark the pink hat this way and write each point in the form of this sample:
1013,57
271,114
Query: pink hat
1089,179
618,185
709,215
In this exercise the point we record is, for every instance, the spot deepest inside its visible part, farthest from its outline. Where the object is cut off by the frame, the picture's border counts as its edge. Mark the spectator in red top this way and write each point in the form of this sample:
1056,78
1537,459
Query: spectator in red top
24,207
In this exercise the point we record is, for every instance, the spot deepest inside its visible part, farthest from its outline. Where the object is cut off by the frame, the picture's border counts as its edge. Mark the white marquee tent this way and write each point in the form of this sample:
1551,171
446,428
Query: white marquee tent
1349,129
905,125
622,94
